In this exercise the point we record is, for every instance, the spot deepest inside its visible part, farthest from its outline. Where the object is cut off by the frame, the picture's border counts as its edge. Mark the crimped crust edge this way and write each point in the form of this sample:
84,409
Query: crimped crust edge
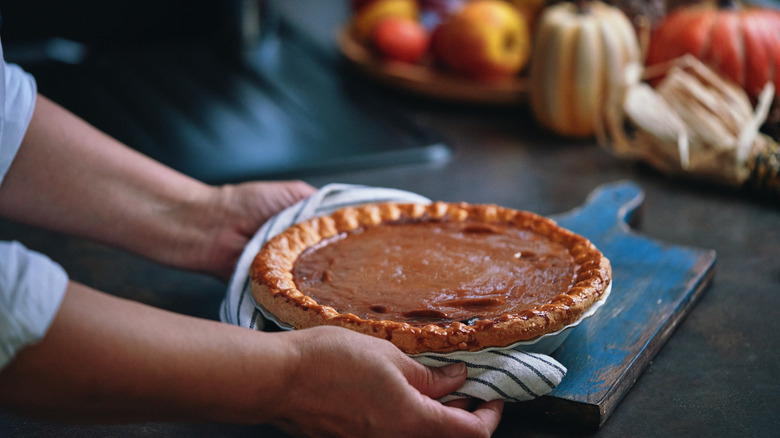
273,286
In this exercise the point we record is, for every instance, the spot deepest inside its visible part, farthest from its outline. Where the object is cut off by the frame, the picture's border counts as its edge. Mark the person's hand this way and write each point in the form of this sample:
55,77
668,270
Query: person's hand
352,385
228,216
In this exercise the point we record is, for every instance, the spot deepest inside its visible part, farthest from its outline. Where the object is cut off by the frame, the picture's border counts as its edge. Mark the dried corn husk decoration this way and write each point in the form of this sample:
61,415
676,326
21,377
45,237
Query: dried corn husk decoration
694,123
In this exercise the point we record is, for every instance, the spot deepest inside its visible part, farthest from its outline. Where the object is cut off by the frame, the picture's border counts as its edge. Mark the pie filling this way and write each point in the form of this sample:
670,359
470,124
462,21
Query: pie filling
435,272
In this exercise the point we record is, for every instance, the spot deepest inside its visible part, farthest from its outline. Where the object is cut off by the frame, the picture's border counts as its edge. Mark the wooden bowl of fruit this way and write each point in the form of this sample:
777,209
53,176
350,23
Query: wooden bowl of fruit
473,53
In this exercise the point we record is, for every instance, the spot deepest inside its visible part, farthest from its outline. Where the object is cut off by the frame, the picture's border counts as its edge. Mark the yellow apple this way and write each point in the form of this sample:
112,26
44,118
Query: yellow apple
369,15
486,39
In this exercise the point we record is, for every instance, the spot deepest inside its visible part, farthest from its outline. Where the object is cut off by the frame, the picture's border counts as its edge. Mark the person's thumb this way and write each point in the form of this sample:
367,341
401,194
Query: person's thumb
438,382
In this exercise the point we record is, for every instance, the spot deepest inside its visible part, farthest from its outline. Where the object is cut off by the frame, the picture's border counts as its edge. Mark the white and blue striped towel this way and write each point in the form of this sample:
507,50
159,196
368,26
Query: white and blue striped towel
506,374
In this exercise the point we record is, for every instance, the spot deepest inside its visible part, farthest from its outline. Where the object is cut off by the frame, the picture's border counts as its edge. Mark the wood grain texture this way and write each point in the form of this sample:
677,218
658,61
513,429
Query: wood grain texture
655,285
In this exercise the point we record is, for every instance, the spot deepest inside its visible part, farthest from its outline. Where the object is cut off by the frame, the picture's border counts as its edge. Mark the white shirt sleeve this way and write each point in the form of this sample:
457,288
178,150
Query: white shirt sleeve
17,96
31,290
31,285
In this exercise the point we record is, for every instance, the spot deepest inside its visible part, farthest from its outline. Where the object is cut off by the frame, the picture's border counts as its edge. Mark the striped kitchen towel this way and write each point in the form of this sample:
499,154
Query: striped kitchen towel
507,374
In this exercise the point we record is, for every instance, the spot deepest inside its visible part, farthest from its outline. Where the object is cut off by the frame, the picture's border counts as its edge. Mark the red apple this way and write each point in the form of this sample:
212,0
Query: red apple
486,39
401,39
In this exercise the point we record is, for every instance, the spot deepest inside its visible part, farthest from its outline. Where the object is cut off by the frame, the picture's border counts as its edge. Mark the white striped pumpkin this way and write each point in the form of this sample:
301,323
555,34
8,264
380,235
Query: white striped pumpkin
580,51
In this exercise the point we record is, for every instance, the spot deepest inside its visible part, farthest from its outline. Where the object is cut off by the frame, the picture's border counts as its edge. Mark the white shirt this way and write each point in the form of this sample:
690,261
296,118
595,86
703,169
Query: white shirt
31,284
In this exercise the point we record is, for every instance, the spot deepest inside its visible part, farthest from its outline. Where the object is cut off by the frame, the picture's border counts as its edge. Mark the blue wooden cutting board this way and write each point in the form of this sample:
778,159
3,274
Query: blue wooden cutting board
655,285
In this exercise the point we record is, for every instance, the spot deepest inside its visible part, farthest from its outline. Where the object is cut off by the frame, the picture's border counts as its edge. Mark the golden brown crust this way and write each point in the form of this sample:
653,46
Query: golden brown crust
273,286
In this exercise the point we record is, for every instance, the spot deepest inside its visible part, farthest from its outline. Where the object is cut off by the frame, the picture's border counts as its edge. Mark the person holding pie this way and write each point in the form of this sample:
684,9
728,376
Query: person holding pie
103,359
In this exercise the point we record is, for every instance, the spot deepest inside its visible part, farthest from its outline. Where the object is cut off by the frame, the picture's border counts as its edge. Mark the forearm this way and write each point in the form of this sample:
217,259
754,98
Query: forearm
107,359
70,177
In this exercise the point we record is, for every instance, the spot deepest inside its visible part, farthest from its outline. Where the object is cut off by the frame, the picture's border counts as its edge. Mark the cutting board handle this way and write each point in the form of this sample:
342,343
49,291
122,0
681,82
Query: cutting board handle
609,208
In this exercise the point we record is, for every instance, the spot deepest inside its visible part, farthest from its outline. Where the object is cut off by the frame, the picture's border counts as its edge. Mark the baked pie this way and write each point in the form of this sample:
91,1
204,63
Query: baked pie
431,278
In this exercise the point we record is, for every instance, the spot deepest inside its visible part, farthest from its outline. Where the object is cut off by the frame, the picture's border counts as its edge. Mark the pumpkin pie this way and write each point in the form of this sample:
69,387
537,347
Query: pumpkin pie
431,278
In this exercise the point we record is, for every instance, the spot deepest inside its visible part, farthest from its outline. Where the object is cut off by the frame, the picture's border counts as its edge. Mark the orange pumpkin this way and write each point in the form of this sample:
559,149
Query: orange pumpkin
741,43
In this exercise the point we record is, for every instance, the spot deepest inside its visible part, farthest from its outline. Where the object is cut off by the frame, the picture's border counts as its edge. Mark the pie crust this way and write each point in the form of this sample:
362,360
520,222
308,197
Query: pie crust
274,288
